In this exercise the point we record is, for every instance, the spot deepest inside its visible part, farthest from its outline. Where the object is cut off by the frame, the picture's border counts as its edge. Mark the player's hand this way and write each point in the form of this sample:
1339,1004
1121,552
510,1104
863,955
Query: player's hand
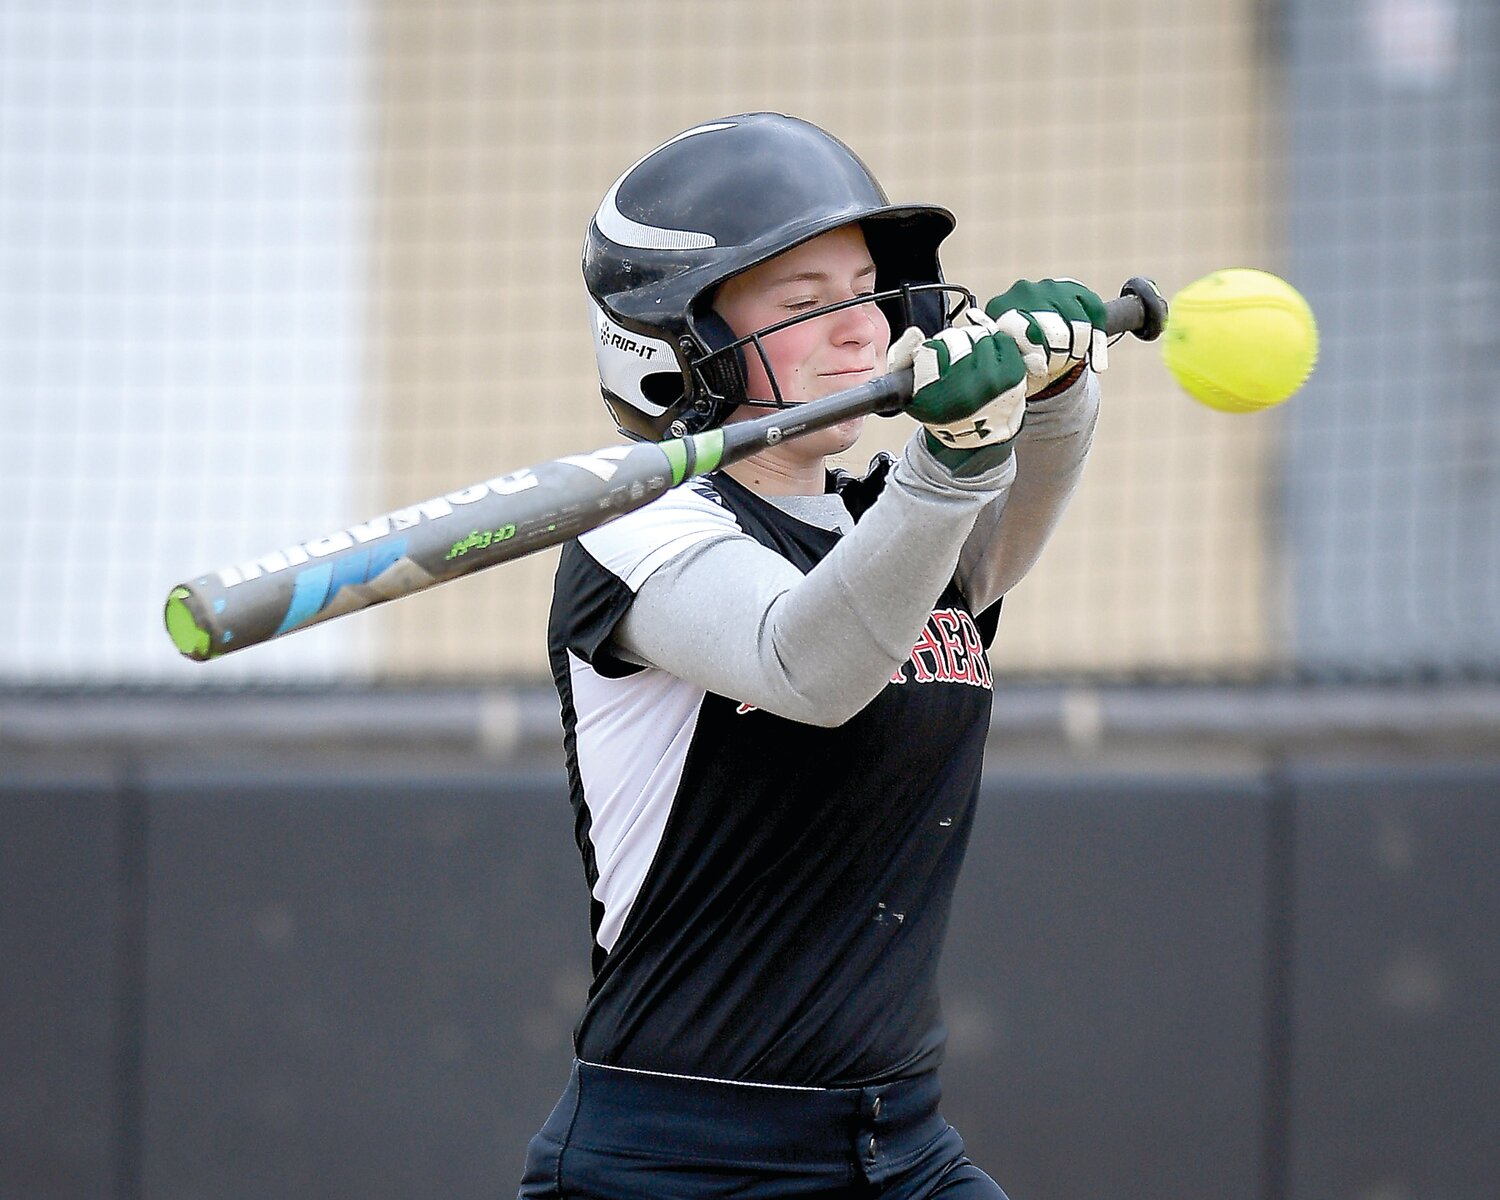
1058,324
969,382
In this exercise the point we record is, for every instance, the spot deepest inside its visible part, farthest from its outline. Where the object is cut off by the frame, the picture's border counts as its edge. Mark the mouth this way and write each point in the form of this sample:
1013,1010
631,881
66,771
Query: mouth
847,372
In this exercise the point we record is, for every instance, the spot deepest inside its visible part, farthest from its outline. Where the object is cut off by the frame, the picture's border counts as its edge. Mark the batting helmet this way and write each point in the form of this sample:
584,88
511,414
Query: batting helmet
714,201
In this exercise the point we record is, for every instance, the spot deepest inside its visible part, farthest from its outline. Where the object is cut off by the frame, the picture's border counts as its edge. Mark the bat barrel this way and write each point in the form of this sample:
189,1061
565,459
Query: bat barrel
414,548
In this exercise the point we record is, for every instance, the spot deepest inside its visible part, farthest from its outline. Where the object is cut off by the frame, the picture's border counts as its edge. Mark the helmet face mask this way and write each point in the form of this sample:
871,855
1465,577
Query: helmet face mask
709,204
932,306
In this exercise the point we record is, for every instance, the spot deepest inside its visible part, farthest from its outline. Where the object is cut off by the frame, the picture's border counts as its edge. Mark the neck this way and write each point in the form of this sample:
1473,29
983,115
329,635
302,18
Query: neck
771,474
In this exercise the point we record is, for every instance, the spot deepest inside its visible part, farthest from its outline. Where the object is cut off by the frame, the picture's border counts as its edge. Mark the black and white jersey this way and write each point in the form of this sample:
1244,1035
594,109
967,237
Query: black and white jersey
769,898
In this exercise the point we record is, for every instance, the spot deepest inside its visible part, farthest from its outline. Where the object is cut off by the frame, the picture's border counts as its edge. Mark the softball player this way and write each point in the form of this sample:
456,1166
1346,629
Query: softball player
774,685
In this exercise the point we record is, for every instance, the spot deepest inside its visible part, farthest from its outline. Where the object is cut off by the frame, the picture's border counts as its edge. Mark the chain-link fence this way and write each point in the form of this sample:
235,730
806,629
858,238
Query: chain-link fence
266,270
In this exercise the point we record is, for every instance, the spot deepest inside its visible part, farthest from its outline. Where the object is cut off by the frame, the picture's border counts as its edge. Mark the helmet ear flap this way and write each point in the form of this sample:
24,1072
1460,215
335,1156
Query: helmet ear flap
923,309
904,257
927,313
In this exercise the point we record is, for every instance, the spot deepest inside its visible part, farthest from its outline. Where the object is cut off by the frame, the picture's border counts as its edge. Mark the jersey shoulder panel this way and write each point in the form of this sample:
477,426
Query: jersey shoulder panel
588,601
633,546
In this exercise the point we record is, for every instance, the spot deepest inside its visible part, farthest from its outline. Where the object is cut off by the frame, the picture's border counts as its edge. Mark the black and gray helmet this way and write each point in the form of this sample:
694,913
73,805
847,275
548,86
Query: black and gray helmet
711,202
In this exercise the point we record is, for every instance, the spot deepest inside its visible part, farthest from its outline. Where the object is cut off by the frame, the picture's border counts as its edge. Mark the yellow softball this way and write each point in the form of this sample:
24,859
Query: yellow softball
1240,340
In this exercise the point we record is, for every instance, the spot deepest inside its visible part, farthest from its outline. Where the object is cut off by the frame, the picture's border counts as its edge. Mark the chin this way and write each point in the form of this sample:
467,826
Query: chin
843,435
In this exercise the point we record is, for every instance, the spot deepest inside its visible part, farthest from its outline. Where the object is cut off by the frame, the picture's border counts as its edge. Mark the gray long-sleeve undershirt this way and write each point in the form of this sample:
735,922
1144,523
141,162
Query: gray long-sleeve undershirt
736,618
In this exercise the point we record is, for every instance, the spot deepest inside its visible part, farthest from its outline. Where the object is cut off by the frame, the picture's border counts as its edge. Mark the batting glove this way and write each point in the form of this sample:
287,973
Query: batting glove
969,383
1058,324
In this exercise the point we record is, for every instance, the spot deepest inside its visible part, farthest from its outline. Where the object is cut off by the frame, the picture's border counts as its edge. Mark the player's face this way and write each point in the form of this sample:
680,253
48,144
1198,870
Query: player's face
819,356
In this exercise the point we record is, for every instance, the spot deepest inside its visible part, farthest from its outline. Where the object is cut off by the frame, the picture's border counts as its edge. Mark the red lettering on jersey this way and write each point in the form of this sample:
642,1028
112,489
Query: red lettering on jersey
978,660
949,650
955,653
743,709
927,644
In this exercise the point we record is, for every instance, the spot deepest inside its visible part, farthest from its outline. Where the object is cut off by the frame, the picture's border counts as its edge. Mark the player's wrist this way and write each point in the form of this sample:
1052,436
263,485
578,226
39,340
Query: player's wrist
1060,385
966,464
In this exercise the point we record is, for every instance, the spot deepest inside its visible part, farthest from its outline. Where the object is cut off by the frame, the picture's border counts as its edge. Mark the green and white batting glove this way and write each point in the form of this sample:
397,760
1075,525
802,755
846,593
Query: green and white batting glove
969,387
1058,323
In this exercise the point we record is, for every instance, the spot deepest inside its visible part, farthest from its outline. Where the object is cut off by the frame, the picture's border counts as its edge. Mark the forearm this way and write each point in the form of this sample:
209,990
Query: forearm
1051,449
741,621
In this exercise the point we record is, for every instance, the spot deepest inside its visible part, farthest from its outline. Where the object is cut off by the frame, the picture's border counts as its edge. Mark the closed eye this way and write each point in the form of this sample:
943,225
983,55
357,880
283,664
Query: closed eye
807,302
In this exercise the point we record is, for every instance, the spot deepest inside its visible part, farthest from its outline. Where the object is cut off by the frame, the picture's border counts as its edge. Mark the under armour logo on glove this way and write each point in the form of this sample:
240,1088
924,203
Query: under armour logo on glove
968,382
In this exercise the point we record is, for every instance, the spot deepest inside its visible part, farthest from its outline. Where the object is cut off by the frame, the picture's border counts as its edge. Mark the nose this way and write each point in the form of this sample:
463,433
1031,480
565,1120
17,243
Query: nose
858,324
